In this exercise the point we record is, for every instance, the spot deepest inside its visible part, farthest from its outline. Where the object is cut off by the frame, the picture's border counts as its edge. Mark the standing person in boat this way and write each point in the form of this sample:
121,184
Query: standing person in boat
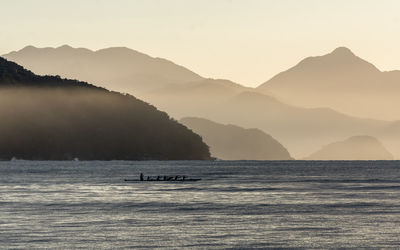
141,177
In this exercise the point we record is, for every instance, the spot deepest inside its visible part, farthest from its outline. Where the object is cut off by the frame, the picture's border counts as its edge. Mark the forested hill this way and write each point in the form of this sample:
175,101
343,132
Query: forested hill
49,118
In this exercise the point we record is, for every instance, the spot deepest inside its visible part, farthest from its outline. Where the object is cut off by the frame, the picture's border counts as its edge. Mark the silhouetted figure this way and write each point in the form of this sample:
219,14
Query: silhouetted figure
183,178
141,177
176,177
165,178
148,178
158,178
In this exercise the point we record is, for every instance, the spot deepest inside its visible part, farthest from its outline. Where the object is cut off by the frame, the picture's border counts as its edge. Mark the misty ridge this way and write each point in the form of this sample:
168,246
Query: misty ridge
321,100
49,118
231,142
354,148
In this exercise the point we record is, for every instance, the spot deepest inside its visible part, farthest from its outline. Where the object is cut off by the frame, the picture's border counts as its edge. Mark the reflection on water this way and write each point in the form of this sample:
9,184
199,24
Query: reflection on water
236,205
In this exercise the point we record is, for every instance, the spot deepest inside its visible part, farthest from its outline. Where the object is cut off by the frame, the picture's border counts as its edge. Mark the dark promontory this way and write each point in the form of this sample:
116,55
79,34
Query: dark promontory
49,118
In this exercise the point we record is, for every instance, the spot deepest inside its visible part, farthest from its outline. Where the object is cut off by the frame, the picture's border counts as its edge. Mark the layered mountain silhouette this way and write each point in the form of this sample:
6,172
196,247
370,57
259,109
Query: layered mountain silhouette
49,118
230,142
301,130
119,68
342,81
157,80
353,148
338,80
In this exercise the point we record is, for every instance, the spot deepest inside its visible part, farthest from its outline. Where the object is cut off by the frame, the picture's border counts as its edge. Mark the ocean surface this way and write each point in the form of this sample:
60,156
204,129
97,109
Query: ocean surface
237,204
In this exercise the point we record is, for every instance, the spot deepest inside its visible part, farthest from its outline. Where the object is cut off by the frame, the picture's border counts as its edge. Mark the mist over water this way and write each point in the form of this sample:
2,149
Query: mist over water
238,204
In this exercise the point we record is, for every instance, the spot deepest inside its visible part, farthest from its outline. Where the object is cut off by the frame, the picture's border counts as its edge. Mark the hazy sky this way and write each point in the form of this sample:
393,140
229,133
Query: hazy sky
247,41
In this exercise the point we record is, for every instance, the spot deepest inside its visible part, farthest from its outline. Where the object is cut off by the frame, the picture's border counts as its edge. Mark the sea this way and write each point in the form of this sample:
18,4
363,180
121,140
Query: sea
235,205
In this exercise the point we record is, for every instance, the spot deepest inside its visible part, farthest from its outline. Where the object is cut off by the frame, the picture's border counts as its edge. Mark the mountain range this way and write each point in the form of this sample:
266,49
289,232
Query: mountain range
317,102
119,68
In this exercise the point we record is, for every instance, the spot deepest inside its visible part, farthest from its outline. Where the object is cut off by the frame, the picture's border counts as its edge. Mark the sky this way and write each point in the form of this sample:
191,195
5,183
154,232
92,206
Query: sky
247,41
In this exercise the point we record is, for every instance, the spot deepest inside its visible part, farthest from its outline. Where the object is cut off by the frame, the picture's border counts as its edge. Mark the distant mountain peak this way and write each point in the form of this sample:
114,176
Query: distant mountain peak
65,46
340,62
342,51
28,48
340,58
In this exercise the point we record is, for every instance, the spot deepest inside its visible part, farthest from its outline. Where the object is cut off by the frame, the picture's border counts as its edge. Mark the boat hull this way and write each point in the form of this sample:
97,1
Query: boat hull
186,180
